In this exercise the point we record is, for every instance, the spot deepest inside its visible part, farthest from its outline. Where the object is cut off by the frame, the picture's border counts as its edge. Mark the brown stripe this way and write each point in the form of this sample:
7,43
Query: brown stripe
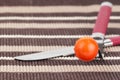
54,21
13,54
111,54
55,14
36,42
115,21
46,31
51,14
58,62
62,31
51,2
61,76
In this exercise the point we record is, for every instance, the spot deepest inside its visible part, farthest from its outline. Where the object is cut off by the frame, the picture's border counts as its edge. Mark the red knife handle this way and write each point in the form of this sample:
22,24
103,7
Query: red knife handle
103,18
115,40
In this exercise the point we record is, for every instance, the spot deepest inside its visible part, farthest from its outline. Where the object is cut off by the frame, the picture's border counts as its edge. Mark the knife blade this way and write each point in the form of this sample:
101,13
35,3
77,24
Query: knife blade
47,54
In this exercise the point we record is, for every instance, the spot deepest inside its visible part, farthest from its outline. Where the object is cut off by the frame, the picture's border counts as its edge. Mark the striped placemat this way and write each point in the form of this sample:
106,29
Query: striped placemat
29,26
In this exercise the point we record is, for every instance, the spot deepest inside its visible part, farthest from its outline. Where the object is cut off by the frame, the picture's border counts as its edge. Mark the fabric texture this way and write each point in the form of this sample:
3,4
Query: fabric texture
29,26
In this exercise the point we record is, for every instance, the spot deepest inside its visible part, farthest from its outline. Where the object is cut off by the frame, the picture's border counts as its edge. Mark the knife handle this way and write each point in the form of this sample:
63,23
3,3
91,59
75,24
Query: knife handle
103,18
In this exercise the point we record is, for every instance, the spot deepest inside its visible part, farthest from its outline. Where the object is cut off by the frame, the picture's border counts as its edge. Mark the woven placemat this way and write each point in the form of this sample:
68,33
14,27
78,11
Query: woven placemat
29,26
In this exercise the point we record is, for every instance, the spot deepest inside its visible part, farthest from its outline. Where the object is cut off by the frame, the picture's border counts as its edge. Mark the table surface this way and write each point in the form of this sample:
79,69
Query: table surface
29,26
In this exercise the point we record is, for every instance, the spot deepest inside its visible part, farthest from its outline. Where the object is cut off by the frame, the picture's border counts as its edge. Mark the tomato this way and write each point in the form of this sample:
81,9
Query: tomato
86,49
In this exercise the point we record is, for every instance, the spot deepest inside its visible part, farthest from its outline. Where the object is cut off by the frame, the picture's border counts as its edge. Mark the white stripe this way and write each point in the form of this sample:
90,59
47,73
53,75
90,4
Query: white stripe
6,48
111,58
52,25
57,18
75,58
49,18
64,58
51,36
6,58
49,25
60,68
53,9
41,36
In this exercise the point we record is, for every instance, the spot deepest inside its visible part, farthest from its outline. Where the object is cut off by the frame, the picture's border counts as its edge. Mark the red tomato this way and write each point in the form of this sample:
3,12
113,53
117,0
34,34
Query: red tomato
86,49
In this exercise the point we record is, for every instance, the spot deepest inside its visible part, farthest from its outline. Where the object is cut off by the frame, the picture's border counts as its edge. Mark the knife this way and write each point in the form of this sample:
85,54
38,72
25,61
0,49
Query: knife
98,34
